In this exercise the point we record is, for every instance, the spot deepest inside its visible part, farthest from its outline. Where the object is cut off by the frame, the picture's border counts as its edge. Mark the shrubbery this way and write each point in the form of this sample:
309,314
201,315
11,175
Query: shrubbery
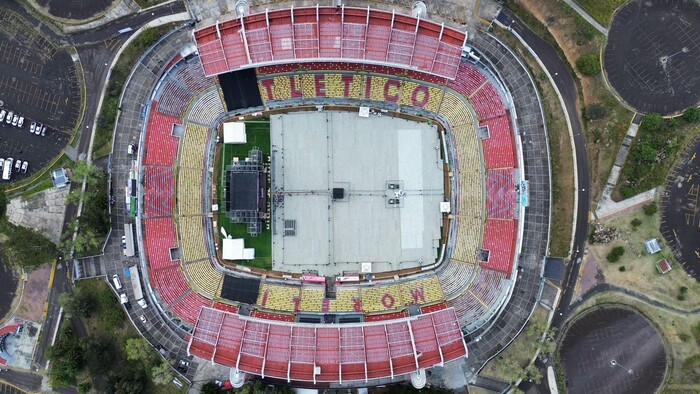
615,254
651,153
650,209
588,65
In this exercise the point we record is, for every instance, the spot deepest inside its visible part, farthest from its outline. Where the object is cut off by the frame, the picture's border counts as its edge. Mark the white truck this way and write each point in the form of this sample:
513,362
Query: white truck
136,285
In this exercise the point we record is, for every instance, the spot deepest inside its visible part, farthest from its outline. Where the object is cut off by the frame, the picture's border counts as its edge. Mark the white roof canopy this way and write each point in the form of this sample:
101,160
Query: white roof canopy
234,133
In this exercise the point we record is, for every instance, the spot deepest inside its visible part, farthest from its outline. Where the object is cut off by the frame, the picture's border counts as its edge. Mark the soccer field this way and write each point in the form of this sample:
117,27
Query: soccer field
258,135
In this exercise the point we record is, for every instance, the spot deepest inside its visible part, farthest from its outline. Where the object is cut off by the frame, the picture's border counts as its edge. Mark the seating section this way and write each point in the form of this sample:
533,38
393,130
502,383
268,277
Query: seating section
192,238
455,277
347,298
422,291
272,316
499,239
170,283
279,297
499,148
433,308
488,103
159,183
204,277
225,307
468,79
191,76
174,98
188,306
161,146
189,191
386,316
206,109
302,34
311,299
487,286
159,239
381,298
192,149
501,198
315,84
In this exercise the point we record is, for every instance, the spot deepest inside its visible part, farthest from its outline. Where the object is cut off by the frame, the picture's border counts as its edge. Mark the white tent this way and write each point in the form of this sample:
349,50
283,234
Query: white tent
232,249
234,133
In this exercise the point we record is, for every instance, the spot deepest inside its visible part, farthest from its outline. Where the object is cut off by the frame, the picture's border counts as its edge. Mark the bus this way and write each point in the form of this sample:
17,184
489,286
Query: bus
136,285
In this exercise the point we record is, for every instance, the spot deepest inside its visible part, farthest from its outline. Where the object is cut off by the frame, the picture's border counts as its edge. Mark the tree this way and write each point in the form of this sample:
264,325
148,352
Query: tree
84,388
130,379
97,353
3,203
138,349
615,254
210,388
692,115
162,373
80,303
588,65
66,358
650,209
654,123
27,248
533,374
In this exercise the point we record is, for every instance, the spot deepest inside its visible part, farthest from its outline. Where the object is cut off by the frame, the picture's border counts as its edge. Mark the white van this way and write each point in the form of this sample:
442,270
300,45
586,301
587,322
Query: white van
7,169
117,282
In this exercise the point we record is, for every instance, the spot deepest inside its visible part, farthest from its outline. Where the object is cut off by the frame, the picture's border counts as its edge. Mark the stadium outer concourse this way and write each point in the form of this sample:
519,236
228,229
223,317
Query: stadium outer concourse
277,325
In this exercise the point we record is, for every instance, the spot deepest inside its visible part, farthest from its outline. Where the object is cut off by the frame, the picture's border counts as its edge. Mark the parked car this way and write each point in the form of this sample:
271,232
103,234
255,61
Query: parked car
20,123
8,120
18,165
2,115
2,163
25,165
37,130
143,319
32,127
15,120
43,131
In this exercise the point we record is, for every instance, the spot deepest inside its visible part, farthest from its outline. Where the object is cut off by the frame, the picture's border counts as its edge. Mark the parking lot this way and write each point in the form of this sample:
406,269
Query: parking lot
23,145
76,9
38,80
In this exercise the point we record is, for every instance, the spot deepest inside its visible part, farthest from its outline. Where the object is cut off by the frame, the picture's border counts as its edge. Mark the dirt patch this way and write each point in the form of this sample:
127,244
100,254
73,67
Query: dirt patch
576,37
36,291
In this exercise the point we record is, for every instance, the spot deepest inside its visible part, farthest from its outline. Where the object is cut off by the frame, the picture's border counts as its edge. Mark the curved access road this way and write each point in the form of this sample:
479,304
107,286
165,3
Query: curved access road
564,81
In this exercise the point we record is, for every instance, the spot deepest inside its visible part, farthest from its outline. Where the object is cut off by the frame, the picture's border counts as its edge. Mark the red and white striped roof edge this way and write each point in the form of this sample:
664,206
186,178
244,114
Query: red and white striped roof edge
342,34
327,352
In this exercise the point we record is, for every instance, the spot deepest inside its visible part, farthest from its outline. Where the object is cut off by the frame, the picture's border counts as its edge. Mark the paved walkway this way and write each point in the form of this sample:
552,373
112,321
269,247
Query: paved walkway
606,205
587,17
631,293
42,211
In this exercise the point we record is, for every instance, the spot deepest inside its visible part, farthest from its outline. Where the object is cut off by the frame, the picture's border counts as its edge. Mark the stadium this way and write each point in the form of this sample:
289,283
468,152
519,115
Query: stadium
337,196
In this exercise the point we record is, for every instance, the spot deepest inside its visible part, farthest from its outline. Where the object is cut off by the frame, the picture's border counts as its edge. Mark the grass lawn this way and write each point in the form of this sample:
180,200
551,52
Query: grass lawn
601,10
258,135
640,273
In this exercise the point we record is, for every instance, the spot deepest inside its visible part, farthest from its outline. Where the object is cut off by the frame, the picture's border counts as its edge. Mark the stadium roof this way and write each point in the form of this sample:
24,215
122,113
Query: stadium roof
327,352
330,34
